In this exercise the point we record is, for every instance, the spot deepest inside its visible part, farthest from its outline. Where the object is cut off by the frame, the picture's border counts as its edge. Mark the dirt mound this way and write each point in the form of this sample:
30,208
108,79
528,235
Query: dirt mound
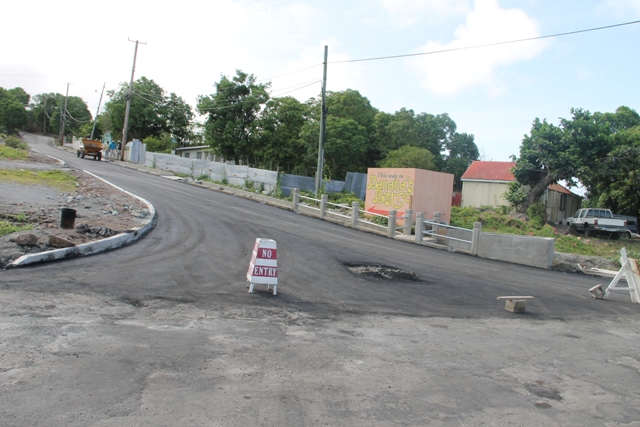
101,210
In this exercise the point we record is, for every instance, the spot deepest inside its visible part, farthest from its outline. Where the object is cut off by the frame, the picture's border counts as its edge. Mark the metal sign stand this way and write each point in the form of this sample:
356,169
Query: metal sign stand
631,271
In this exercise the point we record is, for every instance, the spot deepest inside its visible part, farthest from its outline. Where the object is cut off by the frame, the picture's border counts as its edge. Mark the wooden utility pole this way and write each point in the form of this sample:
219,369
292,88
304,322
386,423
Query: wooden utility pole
95,119
323,119
44,118
63,117
129,93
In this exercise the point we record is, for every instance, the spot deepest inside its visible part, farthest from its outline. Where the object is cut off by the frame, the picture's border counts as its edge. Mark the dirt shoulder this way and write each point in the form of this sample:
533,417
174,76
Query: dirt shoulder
101,210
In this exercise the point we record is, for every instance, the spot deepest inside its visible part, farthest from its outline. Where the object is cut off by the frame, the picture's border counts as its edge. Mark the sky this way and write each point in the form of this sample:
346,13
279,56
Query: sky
494,93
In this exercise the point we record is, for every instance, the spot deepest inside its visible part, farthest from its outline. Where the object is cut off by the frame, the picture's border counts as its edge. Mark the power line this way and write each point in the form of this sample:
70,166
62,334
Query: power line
266,8
486,45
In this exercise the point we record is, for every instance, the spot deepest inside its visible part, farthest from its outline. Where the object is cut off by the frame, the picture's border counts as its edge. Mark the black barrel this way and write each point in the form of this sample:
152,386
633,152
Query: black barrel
67,218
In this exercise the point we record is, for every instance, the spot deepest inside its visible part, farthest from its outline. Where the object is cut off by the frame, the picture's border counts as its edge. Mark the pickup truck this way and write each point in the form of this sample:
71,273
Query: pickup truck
597,221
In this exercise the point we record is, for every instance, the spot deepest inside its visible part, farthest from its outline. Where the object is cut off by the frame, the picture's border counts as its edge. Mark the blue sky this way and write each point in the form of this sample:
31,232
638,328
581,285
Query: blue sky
494,93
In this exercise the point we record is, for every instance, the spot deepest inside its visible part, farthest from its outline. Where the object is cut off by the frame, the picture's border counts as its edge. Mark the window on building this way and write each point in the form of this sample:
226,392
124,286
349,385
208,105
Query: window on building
185,155
199,155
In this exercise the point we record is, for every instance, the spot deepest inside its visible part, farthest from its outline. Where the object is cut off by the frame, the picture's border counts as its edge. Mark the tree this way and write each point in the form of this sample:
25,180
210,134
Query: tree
280,128
42,108
345,148
152,112
435,133
76,115
179,118
13,113
462,150
232,115
569,152
159,145
147,116
409,157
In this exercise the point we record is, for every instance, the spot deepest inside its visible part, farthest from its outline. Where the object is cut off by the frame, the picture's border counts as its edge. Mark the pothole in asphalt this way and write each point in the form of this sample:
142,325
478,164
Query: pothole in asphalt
381,272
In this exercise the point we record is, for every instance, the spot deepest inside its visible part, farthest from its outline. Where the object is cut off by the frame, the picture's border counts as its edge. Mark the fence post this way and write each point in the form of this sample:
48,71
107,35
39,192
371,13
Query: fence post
323,205
296,199
419,227
391,230
435,228
408,222
475,238
355,206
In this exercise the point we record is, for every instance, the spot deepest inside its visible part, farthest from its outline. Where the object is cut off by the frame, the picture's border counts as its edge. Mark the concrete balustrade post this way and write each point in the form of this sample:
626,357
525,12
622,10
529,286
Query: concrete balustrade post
355,206
296,199
391,229
434,227
419,227
323,205
408,222
475,238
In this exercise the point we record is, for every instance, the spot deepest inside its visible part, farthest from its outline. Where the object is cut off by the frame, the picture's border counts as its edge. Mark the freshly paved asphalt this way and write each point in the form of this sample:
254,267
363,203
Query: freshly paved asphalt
163,332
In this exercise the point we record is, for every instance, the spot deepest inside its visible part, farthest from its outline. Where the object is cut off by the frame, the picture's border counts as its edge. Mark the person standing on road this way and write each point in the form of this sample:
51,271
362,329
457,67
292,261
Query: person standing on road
119,150
112,149
107,151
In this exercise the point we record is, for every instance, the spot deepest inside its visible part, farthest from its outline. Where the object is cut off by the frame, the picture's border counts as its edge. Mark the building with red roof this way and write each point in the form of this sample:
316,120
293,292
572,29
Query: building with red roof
485,183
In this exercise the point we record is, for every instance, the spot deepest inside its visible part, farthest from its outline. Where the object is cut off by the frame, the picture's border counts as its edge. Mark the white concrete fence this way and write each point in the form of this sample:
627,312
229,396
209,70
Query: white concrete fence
242,176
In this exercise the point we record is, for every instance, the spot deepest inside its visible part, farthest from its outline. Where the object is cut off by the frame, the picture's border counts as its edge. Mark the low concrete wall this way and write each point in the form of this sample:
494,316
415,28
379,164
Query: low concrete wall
455,245
526,250
234,174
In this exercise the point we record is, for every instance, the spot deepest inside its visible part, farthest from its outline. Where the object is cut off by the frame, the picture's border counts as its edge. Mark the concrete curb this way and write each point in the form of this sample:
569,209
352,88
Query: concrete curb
97,246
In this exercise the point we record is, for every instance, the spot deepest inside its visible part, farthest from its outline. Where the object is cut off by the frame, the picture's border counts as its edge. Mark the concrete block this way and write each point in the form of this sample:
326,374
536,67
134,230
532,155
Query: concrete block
516,305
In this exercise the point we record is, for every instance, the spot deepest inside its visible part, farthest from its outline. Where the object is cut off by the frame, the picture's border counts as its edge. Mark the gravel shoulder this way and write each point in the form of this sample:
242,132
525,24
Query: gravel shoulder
101,210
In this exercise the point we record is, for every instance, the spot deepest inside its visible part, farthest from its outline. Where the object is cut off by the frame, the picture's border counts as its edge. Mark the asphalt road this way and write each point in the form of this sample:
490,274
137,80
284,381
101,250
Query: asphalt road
163,332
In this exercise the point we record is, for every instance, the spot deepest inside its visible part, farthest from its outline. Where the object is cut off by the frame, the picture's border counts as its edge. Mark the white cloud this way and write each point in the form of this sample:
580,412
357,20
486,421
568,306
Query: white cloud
409,12
454,72
621,8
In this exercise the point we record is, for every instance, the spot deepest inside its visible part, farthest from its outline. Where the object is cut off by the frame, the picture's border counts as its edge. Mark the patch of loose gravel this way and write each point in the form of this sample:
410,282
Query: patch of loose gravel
101,209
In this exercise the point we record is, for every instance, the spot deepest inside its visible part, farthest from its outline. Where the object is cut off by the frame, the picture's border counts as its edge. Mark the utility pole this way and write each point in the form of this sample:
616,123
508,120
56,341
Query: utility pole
129,93
44,118
323,119
63,117
95,119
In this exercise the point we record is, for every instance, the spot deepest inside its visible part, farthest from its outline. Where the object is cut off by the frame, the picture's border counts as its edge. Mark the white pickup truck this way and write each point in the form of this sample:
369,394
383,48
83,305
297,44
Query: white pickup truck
593,221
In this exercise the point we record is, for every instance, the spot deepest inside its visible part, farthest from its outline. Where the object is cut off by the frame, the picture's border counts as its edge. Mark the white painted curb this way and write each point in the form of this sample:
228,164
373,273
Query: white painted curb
98,246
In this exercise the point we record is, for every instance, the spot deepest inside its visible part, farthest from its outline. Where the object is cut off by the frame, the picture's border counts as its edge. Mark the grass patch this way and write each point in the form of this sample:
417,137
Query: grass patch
64,181
8,153
7,227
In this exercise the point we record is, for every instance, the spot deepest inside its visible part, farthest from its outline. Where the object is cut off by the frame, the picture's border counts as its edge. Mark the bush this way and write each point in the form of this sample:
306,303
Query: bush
537,214
15,142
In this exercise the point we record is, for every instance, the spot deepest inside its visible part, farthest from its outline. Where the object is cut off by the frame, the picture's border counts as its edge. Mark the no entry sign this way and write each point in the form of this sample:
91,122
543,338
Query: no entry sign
263,267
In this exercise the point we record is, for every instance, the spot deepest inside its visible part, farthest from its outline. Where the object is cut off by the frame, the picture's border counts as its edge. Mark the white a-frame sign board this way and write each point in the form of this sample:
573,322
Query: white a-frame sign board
631,271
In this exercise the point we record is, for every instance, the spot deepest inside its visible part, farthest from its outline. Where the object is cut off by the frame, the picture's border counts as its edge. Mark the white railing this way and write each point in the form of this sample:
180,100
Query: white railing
358,218
436,227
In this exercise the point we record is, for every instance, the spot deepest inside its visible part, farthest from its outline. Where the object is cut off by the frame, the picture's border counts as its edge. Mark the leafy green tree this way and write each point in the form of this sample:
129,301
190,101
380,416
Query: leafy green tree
21,95
152,113
179,119
232,116
350,104
409,157
77,116
435,133
462,150
345,148
42,108
159,145
13,113
280,128
551,153
147,116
